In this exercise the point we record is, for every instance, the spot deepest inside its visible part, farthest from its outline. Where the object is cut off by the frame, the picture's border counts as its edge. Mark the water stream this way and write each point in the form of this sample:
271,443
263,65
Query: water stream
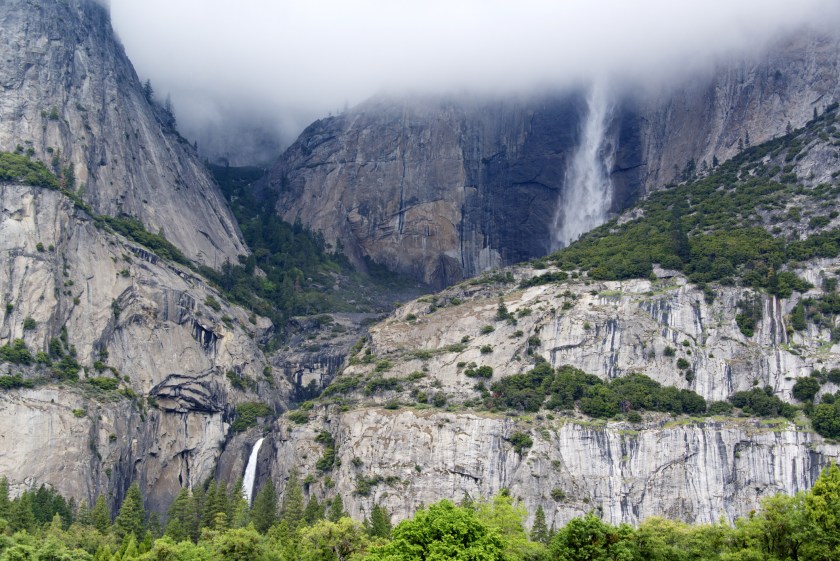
587,195
251,472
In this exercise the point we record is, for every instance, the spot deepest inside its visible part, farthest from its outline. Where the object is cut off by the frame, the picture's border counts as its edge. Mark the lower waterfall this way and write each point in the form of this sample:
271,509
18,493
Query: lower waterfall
251,472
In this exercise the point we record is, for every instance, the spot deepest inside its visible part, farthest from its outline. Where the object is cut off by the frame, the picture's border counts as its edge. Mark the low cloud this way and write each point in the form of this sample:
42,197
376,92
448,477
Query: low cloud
255,65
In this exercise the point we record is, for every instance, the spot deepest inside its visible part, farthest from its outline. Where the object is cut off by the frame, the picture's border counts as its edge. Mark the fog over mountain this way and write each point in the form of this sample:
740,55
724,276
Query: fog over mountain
246,77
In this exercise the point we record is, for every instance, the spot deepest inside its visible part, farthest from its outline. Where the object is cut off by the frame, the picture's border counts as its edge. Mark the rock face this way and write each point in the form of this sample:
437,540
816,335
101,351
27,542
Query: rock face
440,190
394,448
444,189
72,99
748,101
130,317
696,471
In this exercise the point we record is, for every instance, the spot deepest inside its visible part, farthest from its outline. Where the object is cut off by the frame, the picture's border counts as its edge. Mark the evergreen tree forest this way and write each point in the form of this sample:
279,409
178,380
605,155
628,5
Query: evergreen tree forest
213,523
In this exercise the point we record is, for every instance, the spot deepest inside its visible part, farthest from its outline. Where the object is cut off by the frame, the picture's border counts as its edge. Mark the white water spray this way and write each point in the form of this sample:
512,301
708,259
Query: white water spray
251,472
586,200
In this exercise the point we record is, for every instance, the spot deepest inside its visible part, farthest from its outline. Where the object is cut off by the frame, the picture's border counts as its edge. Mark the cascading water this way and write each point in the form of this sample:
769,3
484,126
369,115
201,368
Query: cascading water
586,200
251,472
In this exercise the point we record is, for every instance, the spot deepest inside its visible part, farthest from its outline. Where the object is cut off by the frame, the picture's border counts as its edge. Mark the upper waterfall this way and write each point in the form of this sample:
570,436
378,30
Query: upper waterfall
587,195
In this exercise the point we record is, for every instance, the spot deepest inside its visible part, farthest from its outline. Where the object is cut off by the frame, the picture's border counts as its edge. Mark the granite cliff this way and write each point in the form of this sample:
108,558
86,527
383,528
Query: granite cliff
71,98
161,361
444,189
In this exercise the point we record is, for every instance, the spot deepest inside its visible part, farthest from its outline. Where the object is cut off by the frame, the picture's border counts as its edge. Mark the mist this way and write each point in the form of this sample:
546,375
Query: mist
246,77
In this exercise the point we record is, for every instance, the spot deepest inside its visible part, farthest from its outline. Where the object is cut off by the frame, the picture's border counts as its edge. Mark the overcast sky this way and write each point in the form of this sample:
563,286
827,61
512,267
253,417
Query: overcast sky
275,65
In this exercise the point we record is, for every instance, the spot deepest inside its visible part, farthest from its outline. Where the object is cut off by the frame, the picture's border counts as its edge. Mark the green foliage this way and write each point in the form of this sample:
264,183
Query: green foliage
212,303
805,389
380,522
131,520
547,278
442,531
365,485
707,228
520,441
507,519
825,418
762,403
377,385
248,413
720,408
539,530
590,539
29,324
16,353
750,312
291,509
264,510
16,168
482,371
332,541
182,520
105,384
805,527
342,384
133,229
101,514
298,417
568,387
10,382
289,265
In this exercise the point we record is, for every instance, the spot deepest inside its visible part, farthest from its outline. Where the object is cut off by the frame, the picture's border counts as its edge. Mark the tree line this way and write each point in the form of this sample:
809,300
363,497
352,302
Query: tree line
214,522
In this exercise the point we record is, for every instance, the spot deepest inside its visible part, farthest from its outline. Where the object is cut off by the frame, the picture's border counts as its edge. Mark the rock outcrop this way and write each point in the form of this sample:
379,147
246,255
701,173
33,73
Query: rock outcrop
444,189
180,358
742,102
440,189
71,98
394,447
698,471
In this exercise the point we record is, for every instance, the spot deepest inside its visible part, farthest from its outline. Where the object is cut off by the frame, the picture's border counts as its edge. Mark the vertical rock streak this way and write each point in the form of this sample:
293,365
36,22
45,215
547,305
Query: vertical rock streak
586,199
251,472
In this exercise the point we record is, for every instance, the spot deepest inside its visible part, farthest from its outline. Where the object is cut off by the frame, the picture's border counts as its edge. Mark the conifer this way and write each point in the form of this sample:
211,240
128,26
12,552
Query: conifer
264,511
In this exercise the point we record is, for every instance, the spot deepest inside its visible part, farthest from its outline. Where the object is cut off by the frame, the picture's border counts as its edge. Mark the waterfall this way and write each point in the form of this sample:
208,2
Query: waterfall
251,472
587,194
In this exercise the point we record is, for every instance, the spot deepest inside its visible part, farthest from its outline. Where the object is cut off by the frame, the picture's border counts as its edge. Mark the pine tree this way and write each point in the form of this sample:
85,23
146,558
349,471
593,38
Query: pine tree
146,545
56,526
200,499
539,531
5,503
336,511
128,550
84,516
154,525
264,511
101,514
380,522
314,511
20,516
148,91
181,519
291,509
215,501
41,503
238,508
132,518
